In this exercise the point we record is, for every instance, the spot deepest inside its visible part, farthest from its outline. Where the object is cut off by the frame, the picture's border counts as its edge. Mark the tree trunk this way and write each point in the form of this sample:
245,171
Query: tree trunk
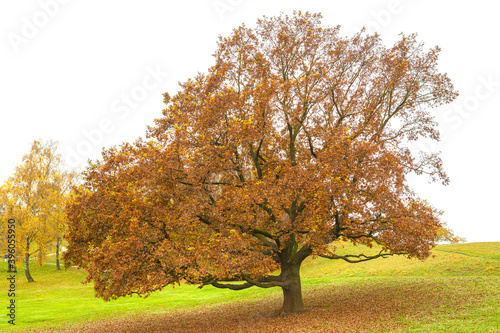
58,244
12,266
27,262
292,293
40,257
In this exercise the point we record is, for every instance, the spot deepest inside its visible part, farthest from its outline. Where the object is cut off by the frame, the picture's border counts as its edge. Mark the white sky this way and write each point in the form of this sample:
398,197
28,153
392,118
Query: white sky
91,74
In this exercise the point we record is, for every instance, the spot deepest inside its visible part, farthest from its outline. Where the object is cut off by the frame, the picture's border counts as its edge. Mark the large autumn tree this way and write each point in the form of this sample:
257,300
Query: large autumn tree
295,139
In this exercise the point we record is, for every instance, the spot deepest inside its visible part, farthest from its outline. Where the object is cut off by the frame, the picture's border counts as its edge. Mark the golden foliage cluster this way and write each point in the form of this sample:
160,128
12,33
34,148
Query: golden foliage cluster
35,197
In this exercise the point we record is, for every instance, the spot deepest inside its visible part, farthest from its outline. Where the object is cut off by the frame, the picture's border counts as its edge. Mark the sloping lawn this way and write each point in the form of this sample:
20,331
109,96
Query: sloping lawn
458,290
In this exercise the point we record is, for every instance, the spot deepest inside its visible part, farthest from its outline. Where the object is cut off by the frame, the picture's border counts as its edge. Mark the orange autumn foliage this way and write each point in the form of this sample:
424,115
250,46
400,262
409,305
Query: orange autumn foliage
295,138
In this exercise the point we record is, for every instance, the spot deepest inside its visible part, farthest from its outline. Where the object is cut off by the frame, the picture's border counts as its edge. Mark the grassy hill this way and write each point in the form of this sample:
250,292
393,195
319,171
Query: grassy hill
457,290
449,260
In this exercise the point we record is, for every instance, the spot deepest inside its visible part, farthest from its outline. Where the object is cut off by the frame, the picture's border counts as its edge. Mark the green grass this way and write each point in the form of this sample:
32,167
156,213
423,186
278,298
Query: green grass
449,260
461,285
59,297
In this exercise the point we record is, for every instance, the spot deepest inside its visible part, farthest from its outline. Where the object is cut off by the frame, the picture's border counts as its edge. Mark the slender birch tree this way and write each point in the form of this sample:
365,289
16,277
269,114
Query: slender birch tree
37,192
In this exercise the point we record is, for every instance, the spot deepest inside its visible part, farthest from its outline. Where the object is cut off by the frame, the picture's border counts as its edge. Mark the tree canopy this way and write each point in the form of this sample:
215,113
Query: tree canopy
296,138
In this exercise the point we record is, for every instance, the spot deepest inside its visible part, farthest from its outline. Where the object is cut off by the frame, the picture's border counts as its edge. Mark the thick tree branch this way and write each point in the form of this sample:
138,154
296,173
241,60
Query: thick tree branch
255,158
262,284
266,282
361,257
266,241
231,286
304,252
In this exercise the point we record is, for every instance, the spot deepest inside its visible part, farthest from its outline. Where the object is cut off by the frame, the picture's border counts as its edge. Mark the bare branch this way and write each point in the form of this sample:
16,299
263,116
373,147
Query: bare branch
362,257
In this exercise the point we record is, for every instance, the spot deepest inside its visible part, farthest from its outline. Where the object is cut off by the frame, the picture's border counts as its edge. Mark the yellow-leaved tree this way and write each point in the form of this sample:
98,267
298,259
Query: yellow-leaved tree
35,196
